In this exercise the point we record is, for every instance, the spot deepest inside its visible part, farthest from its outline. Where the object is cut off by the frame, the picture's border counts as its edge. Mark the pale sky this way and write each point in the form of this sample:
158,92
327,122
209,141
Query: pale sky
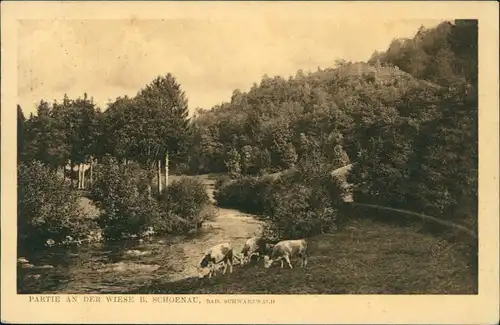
111,58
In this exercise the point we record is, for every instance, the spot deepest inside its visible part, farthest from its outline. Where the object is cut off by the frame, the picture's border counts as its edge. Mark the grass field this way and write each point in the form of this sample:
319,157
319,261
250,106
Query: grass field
366,257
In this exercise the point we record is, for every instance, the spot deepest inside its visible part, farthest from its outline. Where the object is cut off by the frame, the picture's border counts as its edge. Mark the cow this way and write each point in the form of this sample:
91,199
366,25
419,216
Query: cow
255,246
269,249
221,253
252,247
286,249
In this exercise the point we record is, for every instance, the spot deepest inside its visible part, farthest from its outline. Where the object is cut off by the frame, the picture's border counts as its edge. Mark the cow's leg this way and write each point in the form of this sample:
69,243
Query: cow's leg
230,261
305,260
212,270
257,259
281,260
287,258
225,267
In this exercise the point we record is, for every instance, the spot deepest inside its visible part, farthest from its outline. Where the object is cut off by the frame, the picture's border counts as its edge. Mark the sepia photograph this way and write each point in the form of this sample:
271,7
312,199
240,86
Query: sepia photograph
165,161
253,155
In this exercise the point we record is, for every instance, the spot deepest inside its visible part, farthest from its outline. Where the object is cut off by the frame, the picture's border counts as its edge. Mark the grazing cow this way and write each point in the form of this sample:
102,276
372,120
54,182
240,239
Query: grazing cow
252,247
221,253
255,246
286,249
269,248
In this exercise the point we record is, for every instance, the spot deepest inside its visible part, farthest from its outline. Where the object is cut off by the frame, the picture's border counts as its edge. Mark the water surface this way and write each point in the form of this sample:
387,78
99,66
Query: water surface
119,266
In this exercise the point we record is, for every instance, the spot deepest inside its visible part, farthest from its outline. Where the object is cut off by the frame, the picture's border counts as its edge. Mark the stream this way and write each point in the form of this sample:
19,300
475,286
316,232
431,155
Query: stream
119,266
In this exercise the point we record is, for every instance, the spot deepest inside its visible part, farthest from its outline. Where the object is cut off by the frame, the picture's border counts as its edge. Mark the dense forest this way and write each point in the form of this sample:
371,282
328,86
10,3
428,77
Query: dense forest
406,119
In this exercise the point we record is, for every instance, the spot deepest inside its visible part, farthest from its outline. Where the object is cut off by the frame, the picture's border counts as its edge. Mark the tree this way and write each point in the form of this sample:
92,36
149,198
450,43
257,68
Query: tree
247,158
163,123
233,163
118,128
21,130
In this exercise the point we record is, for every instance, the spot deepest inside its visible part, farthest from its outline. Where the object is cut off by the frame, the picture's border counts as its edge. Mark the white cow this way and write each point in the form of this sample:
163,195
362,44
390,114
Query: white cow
286,249
221,253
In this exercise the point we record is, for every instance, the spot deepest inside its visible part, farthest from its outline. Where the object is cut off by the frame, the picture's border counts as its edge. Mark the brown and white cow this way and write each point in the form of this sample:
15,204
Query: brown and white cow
252,247
218,254
255,246
286,249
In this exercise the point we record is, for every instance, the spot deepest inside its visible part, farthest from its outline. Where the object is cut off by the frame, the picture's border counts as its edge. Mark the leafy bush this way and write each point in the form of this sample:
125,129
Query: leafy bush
186,197
180,168
306,201
297,213
184,206
48,208
122,194
221,181
250,194
130,209
301,202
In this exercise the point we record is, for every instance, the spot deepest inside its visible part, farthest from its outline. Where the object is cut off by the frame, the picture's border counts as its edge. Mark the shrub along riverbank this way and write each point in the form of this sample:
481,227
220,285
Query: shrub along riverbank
49,212
301,202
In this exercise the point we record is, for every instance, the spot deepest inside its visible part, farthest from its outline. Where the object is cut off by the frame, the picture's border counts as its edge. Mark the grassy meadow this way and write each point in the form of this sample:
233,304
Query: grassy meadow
365,257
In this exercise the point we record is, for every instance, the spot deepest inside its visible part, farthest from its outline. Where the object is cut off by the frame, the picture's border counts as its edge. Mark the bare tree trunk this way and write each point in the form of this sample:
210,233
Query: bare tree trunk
80,167
90,172
150,180
72,166
159,176
166,170
83,175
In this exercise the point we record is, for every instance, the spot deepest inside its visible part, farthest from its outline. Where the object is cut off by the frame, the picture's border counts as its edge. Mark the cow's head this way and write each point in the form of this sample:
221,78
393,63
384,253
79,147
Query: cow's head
203,271
267,262
240,258
206,260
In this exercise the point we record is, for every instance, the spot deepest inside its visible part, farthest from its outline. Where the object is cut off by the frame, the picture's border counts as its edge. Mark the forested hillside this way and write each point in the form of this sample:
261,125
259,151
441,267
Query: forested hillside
271,126
407,119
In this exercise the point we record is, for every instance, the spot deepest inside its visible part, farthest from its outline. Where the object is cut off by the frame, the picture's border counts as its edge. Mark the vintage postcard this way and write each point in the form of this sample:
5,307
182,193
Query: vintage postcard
249,162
